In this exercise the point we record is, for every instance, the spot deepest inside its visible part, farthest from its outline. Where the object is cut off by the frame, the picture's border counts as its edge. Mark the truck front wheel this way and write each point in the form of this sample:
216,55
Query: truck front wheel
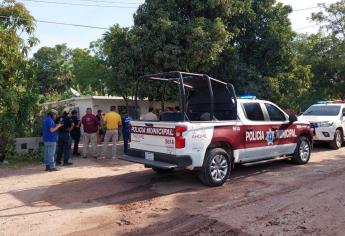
216,168
302,152
338,140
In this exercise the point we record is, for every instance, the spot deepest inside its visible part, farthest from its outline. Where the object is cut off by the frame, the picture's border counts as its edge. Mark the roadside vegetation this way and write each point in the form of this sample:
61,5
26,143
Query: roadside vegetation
248,43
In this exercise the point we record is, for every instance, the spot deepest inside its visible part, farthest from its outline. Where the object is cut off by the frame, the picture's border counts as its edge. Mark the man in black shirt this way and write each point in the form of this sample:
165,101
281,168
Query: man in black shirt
64,140
75,132
100,135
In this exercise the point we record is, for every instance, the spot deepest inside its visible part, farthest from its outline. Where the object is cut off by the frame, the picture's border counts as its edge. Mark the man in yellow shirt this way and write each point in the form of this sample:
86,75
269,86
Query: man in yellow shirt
112,121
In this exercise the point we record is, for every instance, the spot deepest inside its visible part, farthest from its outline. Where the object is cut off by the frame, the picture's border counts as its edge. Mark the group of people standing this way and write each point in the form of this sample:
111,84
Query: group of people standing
58,133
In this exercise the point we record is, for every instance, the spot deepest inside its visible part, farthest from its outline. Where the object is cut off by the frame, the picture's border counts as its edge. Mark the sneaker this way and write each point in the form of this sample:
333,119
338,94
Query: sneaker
47,168
101,158
68,164
53,169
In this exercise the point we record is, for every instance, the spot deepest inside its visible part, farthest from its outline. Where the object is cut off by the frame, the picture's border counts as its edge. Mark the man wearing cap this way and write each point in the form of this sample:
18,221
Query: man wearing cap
64,140
75,132
49,138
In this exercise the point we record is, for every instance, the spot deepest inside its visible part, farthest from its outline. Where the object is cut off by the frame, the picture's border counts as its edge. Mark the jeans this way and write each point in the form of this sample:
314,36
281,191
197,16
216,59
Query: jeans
49,153
76,139
64,147
113,135
125,141
90,138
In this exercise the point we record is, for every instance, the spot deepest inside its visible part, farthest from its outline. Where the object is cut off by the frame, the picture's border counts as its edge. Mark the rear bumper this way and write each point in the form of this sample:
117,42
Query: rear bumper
161,160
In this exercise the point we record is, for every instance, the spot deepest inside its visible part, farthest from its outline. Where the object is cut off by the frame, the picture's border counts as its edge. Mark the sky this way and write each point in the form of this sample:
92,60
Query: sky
120,12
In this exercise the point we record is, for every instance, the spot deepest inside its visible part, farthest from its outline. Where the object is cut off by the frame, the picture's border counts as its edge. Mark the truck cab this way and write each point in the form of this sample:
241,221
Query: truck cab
215,130
327,119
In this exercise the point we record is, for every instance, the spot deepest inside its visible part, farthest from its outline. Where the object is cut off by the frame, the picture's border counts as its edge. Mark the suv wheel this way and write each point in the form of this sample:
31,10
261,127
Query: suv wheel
216,168
302,151
338,140
162,171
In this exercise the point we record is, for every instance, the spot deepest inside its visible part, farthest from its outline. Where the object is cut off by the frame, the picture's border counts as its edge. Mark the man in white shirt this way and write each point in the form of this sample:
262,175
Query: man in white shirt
150,116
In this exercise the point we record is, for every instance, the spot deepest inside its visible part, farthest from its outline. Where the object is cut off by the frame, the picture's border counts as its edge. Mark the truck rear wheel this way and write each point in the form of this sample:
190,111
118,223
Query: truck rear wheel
302,152
216,168
162,171
338,140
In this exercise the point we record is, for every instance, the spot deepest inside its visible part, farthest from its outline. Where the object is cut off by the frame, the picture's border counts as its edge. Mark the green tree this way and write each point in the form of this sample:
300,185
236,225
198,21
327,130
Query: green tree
325,52
259,57
120,53
90,73
18,91
248,43
332,18
181,35
53,66
325,55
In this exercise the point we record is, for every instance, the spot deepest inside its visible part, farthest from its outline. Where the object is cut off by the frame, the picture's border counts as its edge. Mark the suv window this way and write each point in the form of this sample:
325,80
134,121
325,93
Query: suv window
253,111
274,113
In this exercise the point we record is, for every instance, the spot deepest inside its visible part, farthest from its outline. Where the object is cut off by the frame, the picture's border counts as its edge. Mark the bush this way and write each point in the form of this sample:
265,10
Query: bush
19,160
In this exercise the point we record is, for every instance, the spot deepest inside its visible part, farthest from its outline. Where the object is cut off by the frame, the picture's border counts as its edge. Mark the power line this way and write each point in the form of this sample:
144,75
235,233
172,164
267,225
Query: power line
307,8
119,2
116,2
77,4
305,27
62,23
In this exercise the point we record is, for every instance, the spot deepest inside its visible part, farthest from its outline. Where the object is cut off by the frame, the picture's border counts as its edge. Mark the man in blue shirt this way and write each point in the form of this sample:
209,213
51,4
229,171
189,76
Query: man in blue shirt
49,139
126,130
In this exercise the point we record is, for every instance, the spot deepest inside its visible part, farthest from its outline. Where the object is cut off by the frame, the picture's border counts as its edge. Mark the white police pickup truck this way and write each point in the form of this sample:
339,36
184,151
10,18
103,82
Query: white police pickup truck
327,119
215,130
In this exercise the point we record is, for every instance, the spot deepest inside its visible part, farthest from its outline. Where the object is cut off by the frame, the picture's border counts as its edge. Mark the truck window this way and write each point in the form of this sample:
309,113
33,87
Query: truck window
274,113
253,111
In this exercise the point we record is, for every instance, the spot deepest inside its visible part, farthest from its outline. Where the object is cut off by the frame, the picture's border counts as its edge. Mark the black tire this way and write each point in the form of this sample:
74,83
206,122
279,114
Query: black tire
162,171
337,140
220,173
302,152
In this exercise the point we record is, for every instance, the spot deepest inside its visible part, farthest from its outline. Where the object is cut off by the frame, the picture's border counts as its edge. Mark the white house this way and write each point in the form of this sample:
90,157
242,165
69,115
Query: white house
102,103
26,145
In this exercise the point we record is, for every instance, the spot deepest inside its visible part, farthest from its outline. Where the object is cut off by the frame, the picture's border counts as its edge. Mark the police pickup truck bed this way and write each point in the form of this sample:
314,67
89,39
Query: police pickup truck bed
261,131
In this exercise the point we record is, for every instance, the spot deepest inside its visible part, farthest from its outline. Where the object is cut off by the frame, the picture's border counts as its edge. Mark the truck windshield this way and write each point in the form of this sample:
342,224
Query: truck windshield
322,111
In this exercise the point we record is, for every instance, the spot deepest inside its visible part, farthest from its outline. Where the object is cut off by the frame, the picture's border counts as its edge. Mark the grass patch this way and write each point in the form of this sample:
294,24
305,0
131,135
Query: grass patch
20,160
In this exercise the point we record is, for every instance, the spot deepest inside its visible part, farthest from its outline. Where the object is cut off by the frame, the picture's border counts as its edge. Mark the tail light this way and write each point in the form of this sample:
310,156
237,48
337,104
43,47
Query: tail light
180,141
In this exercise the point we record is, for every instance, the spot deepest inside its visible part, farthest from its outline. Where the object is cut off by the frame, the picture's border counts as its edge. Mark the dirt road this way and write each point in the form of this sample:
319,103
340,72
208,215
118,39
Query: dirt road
118,198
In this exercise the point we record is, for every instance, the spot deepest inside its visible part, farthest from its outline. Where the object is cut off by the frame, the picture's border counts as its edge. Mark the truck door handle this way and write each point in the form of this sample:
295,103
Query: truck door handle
149,125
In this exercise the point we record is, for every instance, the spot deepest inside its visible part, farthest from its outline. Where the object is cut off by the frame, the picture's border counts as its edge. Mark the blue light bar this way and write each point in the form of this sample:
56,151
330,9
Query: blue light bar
322,102
248,97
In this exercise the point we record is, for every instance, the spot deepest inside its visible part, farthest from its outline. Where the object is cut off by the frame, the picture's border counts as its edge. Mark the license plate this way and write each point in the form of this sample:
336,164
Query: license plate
149,156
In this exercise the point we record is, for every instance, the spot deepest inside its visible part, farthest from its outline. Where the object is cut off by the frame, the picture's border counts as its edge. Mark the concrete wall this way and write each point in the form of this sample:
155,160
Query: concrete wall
27,145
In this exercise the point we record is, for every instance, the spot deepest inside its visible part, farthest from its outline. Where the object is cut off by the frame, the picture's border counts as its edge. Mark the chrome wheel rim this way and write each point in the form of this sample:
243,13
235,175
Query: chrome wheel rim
304,151
219,168
338,139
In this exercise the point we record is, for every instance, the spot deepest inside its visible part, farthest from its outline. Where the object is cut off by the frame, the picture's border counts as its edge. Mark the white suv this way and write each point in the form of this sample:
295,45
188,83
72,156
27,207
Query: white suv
328,122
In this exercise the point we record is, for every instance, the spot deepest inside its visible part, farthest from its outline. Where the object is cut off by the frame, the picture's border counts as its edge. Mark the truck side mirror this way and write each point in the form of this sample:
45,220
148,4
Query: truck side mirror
292,118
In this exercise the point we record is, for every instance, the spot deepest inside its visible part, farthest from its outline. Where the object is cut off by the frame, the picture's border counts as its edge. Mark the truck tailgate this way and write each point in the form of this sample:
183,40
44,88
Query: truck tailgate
153,136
